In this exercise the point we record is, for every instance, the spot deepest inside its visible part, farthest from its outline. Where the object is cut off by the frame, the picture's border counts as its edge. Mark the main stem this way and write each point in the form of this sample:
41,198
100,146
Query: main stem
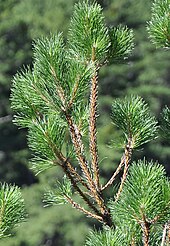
146,230
92,124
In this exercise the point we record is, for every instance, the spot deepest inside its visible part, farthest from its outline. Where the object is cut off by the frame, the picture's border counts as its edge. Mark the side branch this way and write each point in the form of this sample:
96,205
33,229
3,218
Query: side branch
92,126
128,154
111,180
79,148
81,193
78,207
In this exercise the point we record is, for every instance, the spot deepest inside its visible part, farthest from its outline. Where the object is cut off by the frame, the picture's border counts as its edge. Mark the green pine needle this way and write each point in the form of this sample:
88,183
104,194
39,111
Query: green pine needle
132,116
88,31
166,122
39,164
58,195
145,192
12,208
159,25
107,237
46,138
121,39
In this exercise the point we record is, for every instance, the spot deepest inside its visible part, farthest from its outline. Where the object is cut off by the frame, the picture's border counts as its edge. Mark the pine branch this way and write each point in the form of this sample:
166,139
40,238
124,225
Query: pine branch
83,163
74,183
121,43
133,117
77,177
79,148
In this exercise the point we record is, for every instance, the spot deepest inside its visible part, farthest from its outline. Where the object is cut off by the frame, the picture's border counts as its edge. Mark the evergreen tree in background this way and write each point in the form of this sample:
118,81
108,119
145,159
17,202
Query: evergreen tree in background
51,100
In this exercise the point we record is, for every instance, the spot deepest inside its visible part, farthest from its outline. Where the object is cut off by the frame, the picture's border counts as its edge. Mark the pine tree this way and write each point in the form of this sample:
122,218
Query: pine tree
57,101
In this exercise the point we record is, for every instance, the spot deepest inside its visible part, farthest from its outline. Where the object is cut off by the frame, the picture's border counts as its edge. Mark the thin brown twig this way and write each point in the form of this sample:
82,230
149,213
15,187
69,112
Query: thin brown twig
80,208
70,167
128,154
69,170
81,193
76,175
93,130
133,242
111,180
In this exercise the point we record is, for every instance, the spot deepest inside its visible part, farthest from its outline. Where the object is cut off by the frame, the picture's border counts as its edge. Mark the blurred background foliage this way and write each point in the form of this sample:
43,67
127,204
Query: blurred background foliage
146,73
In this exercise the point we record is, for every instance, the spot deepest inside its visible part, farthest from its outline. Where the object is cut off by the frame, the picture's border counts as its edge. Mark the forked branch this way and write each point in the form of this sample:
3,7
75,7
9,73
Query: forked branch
111,180
127,158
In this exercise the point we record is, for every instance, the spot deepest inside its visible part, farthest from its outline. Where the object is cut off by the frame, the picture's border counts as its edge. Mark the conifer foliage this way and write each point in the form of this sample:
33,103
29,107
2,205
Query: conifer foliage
159,25
12,208
57,101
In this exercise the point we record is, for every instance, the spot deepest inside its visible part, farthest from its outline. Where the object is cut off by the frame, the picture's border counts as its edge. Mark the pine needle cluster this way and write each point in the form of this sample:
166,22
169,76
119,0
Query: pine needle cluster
12,208
159,25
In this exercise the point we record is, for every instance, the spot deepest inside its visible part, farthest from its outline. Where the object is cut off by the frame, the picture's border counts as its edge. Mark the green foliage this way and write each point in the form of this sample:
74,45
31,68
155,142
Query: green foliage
159,26
12,208
108,237
132,116
59,194
121,39
166,122
88,31
59,83
49,224
145,197
45,138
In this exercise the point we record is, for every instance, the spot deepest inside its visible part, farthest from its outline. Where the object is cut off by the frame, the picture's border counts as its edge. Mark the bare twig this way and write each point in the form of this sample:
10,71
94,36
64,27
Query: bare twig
128,154
111,180
81,193
93,131
80,208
